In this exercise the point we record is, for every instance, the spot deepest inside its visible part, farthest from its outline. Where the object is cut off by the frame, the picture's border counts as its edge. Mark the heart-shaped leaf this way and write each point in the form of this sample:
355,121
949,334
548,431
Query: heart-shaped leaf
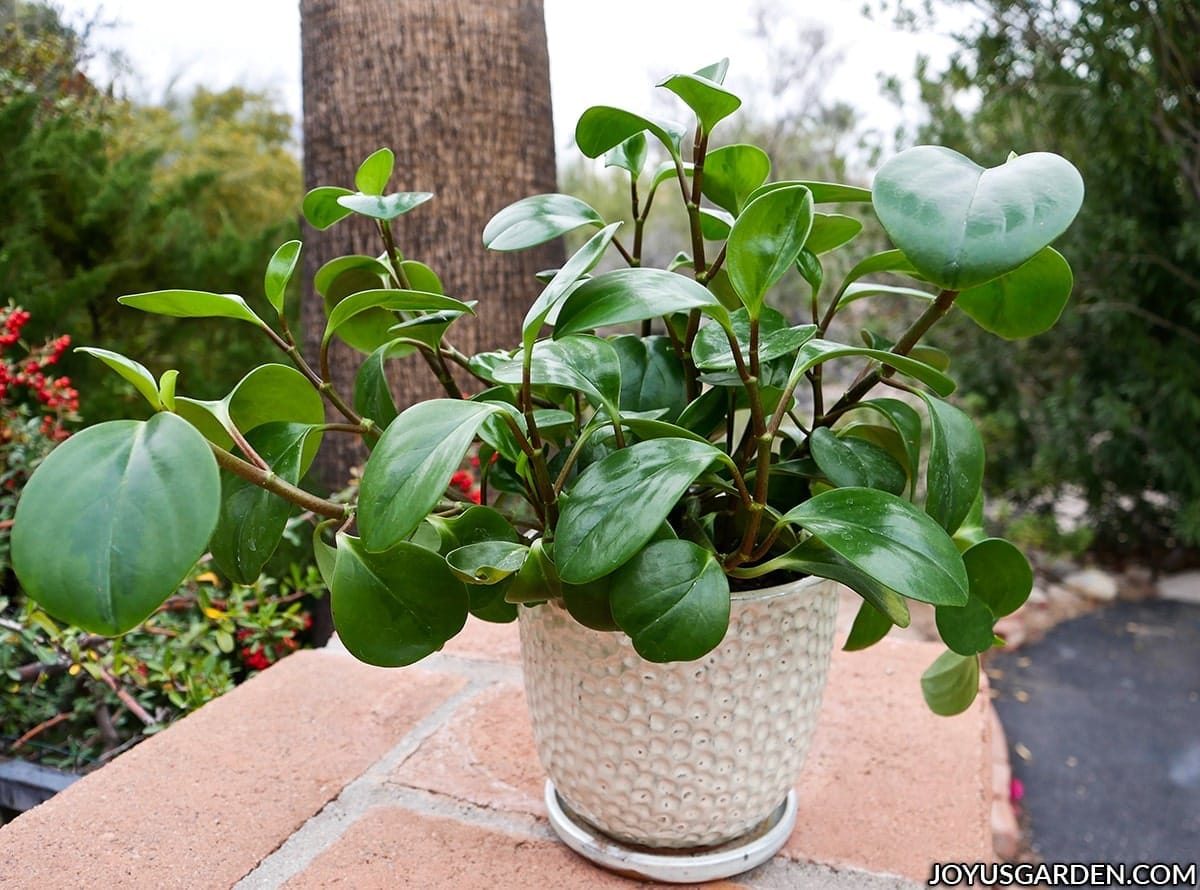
411,465
617,504
765,241
732,173
536,220
888,539
279,273
962,225
673,601
1023,303
193,304
396,607
373,173
113,519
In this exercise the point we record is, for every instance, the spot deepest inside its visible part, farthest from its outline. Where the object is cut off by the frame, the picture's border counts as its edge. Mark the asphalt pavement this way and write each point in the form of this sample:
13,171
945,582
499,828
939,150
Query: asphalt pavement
1103,725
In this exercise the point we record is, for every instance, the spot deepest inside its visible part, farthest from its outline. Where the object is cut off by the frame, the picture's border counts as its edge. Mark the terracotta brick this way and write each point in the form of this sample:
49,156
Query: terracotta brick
200,804
487,641
391,847
889,786
484,754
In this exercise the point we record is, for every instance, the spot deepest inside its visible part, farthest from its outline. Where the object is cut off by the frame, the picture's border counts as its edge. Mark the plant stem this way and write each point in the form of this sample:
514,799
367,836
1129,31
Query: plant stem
389,243
275,485
932,314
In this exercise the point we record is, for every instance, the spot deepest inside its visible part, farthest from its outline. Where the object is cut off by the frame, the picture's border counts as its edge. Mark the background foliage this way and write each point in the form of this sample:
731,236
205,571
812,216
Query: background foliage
112,197
1109,401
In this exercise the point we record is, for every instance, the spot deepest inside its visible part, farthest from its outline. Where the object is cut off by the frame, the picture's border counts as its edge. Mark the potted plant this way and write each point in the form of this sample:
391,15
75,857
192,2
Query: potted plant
669,490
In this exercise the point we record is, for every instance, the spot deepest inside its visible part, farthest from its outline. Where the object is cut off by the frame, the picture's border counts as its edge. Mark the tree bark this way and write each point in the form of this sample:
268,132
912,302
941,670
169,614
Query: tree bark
460,91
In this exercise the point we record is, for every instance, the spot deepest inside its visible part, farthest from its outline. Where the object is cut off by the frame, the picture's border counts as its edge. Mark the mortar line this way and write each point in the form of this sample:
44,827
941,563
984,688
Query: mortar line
325,827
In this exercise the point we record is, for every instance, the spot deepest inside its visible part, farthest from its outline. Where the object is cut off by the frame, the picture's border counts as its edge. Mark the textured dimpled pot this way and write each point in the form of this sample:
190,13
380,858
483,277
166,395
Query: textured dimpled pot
684,755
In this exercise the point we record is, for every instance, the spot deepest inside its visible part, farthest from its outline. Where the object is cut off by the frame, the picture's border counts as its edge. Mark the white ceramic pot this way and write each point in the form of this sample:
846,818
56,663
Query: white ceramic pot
680,755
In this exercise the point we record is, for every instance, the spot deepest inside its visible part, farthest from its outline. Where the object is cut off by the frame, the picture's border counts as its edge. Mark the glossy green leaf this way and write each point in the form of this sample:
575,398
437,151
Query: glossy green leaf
850,462
956,459
373,274
672,599
385,207
889,539
590,604
951,683
652,375
473,526
279,272
1023,303
617,504
325,554
113,519
962,225
870,626
411,465
711,102
814,352
629,155
715,225
860,289
765,241
645,428
966,629
1000,575
193,304
629,295
907,423
166,389
549,300
830,231
813,558
251,522
487,562
580,361
393,300
602,127
135,372
732,173
711,349
421,277
538,579
396,607
321,207
822,192
887,261
373,173
810,269
372,393
536,220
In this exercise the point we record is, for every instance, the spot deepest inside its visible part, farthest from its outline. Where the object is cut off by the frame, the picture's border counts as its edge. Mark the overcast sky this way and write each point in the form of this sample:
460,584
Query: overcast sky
219,43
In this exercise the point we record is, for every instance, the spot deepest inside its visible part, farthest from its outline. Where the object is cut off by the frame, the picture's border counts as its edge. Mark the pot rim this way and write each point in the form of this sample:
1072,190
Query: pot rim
785,589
